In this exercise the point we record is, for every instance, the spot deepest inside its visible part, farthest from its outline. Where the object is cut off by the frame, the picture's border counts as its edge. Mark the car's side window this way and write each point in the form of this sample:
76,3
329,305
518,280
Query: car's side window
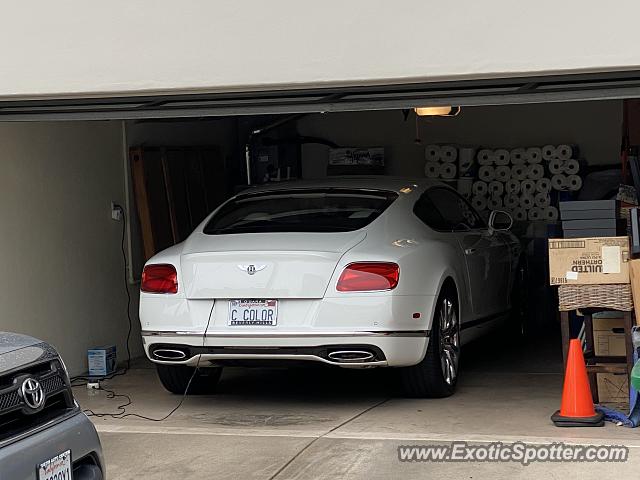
455,211
426,211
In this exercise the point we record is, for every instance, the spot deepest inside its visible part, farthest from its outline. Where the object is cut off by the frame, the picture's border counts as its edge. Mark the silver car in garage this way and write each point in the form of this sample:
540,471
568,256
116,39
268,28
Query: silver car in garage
43,433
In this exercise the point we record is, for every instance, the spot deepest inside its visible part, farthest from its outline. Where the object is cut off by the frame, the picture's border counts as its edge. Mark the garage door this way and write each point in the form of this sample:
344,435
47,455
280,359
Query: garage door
614,85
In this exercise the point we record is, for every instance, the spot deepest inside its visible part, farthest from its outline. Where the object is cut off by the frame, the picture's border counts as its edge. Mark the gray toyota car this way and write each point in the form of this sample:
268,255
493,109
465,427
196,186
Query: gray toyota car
43,433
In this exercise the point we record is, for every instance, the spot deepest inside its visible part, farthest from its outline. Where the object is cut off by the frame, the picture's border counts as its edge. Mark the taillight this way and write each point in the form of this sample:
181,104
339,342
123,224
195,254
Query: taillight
367,276
159,279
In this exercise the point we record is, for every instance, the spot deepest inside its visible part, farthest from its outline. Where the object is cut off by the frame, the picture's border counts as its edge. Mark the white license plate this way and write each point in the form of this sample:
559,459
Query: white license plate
58,468
252,312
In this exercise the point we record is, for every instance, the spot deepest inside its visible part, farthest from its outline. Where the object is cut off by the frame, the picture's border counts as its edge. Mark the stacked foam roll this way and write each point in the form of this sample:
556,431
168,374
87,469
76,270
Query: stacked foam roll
563,166
521,179
441,161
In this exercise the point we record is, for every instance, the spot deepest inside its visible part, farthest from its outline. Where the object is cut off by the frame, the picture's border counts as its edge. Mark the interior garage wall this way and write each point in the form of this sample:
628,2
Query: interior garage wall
63,278
77,47
221,132
595,126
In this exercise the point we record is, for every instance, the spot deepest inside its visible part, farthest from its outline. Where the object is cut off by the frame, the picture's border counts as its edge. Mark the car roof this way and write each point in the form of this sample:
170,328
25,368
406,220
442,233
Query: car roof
373,182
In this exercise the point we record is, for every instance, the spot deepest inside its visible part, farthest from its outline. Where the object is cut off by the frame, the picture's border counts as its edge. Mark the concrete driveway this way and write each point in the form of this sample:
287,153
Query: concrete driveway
322,423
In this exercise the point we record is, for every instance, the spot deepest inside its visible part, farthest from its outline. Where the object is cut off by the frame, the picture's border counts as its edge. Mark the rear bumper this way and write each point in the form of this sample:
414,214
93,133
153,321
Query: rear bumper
384,348
18,460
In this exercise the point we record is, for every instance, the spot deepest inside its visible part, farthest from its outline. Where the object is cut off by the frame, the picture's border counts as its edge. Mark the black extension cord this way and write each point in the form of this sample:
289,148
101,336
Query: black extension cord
111,394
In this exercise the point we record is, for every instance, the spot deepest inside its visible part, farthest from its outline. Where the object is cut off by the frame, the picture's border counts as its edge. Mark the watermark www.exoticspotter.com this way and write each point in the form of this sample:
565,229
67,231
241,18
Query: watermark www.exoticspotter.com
512,452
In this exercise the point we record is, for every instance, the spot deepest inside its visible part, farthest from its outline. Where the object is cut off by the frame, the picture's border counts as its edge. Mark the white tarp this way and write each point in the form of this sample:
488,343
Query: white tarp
125,47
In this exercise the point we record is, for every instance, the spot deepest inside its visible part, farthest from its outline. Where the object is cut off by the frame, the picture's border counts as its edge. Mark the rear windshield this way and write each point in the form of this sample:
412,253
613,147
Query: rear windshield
326,210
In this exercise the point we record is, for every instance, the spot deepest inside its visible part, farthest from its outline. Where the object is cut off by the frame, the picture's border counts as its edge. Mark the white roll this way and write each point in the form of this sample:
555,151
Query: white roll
496,188
528,187
501,156
448,153
535,171
519,172
480,188
542,200
574,183
486,173
571,166
485,157
479,203
526,202
548,152
564,152
512,186
518,156
519,214
432,169
448,171
432,153
466,159
494,203
556,166
558,182
551,213
511,201
535,214
503,173
543,185
533,155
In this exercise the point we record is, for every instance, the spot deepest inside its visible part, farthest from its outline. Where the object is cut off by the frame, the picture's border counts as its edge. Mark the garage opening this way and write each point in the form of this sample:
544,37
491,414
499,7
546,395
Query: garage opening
521,159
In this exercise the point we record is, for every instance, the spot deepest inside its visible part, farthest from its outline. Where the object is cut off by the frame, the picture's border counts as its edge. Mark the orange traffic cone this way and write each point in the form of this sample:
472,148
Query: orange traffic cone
576,409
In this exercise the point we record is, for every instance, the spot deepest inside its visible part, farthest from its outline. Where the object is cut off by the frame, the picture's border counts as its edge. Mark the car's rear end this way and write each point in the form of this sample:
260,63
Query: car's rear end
291,274
43,433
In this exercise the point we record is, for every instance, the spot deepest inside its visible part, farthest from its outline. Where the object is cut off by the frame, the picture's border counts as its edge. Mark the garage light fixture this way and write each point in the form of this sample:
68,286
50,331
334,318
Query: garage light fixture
442,111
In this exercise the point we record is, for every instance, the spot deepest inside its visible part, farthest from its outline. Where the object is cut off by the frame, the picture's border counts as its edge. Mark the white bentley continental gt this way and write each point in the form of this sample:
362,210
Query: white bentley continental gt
355,272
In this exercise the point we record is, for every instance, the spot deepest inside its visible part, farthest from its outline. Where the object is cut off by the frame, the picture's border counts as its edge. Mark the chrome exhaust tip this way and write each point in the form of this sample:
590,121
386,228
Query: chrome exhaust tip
169,355
351,356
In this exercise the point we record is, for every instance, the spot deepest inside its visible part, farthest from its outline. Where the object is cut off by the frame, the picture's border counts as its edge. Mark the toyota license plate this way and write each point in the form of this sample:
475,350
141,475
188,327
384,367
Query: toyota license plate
57,468
252,312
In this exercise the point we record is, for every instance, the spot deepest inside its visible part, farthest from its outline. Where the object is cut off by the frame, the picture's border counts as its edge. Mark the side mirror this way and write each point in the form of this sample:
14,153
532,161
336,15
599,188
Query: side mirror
500,221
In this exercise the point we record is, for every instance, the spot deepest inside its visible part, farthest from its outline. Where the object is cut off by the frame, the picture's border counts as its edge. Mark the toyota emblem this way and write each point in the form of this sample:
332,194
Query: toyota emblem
32,393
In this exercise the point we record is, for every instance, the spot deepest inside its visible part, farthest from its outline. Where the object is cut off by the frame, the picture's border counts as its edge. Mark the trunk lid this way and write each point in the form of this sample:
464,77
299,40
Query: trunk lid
263,265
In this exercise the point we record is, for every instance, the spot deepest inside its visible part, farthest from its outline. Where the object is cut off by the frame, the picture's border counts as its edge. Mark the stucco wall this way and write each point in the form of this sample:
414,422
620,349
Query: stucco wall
79,47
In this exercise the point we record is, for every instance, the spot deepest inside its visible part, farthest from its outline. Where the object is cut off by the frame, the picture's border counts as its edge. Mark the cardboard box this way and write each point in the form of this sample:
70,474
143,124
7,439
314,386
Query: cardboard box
587,214
102,361
589,261
608,334
593,223
595,232
595,208
613,388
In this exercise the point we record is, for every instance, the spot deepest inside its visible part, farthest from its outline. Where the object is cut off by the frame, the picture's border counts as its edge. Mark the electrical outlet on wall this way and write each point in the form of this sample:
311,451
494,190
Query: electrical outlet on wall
116,212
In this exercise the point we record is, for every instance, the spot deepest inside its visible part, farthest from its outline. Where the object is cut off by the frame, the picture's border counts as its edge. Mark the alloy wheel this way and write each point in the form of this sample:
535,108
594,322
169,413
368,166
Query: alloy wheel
449,341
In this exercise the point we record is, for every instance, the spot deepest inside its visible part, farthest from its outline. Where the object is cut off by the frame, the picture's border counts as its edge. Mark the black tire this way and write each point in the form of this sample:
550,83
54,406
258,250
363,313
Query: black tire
175,378
427,378
518,319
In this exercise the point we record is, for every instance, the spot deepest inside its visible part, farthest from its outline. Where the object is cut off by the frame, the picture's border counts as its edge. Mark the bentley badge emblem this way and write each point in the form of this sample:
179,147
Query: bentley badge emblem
252,269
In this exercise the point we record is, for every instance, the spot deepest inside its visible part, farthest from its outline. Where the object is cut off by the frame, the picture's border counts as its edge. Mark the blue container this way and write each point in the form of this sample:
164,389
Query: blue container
102,361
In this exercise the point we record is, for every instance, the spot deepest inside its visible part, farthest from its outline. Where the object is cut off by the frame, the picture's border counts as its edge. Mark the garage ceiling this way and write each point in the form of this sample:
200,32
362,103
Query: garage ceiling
598,86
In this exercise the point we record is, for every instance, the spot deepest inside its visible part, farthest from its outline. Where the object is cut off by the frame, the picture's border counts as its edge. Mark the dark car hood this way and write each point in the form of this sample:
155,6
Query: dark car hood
10,342
19,351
